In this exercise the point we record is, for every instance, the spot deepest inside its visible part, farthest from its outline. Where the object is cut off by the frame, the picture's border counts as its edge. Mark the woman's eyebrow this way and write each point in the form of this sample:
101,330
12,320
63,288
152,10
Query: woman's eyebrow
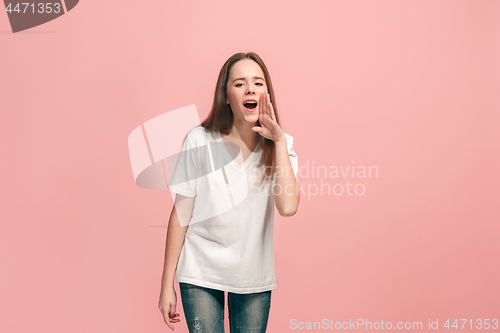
255,77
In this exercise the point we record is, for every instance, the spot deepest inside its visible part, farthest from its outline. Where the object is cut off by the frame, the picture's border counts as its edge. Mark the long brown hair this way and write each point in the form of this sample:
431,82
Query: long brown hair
221,116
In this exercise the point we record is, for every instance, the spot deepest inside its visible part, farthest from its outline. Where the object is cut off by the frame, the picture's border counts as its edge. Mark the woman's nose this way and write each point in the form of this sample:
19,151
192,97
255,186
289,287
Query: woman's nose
250,90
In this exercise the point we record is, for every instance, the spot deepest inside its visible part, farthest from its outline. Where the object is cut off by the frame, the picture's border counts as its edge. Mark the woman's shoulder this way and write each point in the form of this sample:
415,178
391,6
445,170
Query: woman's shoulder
289,139
199,135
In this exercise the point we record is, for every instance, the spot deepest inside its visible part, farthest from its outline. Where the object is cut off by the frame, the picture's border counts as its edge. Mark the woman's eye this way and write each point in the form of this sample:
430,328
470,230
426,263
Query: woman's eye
238,85
258,83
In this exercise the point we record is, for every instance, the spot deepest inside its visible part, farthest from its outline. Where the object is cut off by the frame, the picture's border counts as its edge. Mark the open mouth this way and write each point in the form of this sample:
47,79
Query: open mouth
250,105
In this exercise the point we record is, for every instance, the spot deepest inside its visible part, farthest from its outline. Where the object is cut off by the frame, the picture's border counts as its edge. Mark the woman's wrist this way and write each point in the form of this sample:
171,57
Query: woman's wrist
280,139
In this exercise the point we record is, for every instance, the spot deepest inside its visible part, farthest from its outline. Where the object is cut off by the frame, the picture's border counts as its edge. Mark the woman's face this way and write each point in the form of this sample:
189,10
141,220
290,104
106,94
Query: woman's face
245,85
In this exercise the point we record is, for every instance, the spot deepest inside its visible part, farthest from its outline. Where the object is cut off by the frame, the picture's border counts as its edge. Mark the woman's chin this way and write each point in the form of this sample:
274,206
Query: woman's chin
252,119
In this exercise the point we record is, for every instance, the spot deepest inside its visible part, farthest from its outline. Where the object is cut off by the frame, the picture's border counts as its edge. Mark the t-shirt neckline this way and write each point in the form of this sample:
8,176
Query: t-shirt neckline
233,162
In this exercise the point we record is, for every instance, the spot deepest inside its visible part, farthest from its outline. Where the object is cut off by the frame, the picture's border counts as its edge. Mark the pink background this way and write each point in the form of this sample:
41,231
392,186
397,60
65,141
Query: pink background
411,87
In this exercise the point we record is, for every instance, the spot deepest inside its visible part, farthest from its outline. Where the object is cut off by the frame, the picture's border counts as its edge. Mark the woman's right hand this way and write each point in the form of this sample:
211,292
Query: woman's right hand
167,304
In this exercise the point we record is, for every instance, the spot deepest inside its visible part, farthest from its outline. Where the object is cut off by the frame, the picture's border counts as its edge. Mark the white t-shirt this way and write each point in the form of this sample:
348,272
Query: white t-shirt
229,242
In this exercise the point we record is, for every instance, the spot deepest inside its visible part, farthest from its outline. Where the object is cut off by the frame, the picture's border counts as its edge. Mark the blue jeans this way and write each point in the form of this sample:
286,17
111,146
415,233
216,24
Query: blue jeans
204,310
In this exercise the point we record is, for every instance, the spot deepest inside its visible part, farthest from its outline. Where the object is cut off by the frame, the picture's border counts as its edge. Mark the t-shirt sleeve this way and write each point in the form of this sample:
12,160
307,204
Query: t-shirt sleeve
184,178
292,155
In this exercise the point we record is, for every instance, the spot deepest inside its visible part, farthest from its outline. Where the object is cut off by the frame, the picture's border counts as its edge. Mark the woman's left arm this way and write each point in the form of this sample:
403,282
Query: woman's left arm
286,188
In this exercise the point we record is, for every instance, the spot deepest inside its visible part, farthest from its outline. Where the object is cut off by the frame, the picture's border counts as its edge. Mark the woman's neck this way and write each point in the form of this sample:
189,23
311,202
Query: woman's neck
243,131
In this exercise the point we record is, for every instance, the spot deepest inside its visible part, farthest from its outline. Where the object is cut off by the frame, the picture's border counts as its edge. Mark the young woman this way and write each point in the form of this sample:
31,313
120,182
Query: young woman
228,244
